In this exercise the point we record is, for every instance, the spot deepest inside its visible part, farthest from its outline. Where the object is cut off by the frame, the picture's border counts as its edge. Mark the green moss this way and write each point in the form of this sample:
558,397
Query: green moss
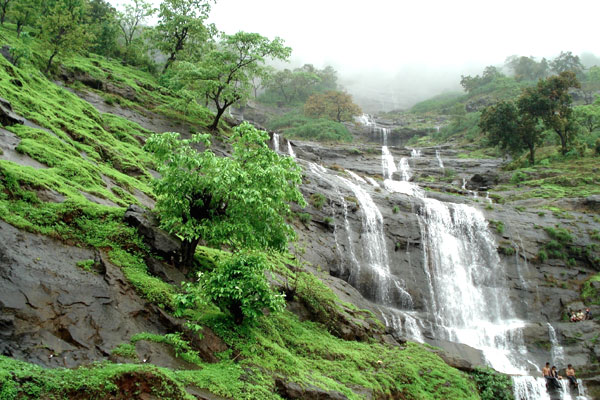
125,350
86,265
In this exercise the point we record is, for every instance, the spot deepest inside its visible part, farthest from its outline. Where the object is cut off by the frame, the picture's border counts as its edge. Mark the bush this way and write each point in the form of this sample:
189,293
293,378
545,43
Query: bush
304,218
238,285
542,256
302,127
518,177
318,200
492,385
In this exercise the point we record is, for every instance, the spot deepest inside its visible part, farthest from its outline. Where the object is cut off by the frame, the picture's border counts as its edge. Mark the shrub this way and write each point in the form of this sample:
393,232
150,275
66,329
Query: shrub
318,200
304,218
492,385
395,209
238,286
518,177
542,256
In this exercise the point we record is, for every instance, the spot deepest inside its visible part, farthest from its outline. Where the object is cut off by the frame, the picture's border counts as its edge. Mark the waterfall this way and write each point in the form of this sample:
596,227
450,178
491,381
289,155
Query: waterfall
376,281
439,158
415,153
290,150
557,352
404,169
387,163
276,142
356,177
372,181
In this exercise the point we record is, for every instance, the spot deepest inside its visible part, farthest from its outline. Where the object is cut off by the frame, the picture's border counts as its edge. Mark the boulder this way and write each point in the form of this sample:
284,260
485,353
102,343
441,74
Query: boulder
7,115
483,181
5,51
160,242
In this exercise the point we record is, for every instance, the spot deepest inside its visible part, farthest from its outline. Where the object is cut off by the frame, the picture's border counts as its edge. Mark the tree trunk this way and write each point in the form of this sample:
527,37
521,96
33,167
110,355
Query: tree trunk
169,62
215,123
236,312
532,155
563,141
188,249
19,29
50,62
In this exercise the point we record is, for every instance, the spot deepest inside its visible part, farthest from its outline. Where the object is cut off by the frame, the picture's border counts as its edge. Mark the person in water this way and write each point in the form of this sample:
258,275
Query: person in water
571,375
551,377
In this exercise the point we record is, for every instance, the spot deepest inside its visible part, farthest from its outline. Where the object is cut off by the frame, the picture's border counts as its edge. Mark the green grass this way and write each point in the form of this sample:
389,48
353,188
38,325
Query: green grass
296,125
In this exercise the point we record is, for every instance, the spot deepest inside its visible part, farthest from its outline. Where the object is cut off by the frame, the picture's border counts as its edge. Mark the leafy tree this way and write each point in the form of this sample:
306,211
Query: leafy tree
588,117
103,23
458,113
550,100
180,22
337,106
24,12
527,68
470,83
238,285
240,201
225,73
132,16
511,128
566,61
63,29
296,86
3,10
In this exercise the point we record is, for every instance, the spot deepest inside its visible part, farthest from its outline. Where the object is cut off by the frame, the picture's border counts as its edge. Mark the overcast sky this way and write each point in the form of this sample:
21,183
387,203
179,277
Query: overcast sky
418,47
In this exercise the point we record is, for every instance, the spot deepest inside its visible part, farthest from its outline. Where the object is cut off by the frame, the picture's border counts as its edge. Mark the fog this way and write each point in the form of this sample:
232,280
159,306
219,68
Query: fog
395,53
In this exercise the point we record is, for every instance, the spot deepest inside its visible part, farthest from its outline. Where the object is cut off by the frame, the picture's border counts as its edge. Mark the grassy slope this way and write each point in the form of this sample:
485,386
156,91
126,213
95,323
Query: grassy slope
80,146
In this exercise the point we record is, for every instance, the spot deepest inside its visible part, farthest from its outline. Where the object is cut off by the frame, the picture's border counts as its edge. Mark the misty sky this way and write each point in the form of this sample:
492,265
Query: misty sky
413,49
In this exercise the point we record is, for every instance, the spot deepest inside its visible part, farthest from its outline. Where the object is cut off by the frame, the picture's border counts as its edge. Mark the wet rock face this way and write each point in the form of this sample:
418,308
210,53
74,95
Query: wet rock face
539,292
57,314
7,115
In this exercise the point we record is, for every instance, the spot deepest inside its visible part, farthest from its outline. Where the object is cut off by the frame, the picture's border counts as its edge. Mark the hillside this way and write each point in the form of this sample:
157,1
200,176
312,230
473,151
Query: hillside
83,291
426,263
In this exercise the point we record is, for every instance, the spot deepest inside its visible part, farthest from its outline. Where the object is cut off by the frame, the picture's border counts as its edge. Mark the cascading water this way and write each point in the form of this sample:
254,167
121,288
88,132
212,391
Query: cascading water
439,158
469,300
276,142
415,153
557,352
290,150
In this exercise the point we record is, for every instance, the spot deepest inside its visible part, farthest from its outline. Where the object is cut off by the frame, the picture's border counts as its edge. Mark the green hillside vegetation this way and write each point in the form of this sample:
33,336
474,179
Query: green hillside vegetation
88,157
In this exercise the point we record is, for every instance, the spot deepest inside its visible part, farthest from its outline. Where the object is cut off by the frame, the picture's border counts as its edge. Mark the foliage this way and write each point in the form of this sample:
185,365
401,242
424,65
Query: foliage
237,285
224,74
492,385
551,102
318,200
566,61
526,68
180,23
24,12
470,83
511,127
334,105
132,17
588,117
296,125
288,87
63,30
241,201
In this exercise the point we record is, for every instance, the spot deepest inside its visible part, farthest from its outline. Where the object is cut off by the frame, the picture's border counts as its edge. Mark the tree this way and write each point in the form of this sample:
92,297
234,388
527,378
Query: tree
337,106
588,117
225,73
63,29
24,12
103,23
511,128
566,61
550,100
241,201
470,83
3,10
131,17
180,22
527,68
238,285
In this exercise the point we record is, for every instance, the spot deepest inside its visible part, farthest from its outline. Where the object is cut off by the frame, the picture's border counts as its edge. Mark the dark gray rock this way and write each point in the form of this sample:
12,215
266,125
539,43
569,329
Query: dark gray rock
483,182
7,115
292,390
5,51
161,242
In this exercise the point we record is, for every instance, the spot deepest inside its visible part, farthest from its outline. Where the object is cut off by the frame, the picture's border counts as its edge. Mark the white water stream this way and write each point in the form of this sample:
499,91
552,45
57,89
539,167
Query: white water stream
468,293
276,142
